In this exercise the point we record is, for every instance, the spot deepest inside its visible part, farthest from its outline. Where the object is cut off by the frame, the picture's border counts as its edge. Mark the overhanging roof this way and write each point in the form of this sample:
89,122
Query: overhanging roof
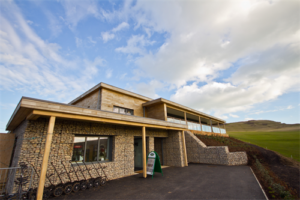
180,107
29,108
113,88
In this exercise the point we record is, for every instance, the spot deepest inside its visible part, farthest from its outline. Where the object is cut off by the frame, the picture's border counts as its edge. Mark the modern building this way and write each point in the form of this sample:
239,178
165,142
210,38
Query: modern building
115,127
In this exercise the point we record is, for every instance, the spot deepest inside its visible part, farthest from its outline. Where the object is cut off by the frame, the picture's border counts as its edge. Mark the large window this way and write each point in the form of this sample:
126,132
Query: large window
123,110
91,148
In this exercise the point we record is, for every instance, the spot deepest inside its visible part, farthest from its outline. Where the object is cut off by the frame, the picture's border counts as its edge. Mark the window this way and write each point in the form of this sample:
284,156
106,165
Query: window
123,110
91,148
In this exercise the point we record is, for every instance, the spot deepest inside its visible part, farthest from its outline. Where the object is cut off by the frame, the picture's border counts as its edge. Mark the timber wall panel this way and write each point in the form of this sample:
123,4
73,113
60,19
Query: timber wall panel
89,101
109,99
156,111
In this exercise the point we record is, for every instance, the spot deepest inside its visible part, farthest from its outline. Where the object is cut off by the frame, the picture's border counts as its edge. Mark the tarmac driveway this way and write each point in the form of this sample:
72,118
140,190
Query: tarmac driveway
197,181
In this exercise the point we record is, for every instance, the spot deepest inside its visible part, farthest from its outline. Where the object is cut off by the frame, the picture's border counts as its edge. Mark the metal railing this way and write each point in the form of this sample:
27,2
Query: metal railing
10,179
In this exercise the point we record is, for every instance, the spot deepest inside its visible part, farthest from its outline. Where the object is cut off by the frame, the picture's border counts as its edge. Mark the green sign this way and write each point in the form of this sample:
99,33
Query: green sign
153,163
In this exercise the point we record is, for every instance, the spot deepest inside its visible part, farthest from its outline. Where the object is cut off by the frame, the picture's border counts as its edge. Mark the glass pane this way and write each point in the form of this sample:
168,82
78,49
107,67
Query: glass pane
91,149
78,149
103,150
122,110
116,109
129,112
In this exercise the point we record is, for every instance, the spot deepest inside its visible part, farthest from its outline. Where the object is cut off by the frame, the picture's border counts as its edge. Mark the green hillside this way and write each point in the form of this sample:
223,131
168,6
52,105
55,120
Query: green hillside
282,138
261,125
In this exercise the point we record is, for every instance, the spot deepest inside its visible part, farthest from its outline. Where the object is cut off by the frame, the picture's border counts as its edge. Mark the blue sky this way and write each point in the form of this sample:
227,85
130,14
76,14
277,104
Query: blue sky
237,60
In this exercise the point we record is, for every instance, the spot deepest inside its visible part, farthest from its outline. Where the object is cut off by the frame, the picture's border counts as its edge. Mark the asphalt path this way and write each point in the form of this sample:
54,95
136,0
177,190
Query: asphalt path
197,181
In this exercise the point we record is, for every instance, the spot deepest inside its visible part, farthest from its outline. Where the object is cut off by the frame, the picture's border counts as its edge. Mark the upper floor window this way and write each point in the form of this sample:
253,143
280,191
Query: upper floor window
123,110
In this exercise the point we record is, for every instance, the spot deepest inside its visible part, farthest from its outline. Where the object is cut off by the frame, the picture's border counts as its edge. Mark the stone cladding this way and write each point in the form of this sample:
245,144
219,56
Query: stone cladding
122,164
198,152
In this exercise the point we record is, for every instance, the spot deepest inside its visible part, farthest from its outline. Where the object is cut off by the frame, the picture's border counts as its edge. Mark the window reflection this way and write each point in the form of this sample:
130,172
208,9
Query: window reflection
78,151
91,149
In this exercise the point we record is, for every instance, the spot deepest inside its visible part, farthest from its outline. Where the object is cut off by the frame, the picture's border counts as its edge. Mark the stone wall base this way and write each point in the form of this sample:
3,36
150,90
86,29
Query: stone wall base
198,152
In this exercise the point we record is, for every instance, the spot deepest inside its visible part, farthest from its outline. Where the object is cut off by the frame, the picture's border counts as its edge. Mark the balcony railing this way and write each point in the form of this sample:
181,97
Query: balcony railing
216,130
206,128
223,131
176,120
194,126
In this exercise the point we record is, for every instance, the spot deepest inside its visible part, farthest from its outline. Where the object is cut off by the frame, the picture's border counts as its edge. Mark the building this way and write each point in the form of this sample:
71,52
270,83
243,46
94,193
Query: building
115,127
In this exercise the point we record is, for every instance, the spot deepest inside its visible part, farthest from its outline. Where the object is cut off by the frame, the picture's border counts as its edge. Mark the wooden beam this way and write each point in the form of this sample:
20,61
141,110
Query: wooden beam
211,126
185,118
98,119
32,116
45,158
144,153
184,149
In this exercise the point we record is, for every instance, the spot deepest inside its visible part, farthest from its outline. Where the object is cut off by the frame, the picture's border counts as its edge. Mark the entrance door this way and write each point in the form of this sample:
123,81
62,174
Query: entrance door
138,154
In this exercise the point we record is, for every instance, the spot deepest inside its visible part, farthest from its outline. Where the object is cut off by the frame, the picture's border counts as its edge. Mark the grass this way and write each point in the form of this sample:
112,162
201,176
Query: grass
286,143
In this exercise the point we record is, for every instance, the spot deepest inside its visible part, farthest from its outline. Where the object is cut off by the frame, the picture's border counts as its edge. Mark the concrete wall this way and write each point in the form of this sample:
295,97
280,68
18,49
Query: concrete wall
109,99
198,152
89,101
155,111
122,164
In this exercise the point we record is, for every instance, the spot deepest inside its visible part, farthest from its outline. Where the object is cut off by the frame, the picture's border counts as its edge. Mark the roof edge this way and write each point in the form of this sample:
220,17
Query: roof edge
110,87
180,106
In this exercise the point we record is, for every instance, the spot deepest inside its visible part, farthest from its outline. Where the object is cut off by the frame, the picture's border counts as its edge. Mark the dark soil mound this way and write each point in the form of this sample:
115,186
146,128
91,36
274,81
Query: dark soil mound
283,170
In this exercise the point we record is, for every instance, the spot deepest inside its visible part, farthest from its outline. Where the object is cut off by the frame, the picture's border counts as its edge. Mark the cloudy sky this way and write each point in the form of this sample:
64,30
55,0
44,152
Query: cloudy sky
237,60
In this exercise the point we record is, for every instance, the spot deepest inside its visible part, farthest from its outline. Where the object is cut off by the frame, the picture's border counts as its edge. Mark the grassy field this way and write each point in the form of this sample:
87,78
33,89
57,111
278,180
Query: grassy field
286,143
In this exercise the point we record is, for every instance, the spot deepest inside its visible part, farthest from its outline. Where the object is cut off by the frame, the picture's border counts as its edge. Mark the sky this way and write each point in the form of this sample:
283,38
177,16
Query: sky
237,60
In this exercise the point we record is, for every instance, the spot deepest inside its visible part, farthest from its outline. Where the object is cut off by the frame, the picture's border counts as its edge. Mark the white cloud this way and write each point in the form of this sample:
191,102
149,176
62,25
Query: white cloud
148,89
135,45
109,73
29,64
78,41
54,24
109,35
29,22
234,116
248,119
90,39
121,26
77,10
106,36
290,107
204,38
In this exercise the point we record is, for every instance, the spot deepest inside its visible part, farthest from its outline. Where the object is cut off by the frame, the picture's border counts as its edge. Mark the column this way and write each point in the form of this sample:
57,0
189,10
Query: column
211,126
184,148
200,123
144,153
45,158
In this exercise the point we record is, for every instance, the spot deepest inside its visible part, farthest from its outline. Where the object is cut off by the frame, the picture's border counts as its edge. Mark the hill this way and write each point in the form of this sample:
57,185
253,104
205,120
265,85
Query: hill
261,125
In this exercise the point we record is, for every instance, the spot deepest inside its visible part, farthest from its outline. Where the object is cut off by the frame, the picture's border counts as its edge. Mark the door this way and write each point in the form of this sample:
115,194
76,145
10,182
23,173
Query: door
138,154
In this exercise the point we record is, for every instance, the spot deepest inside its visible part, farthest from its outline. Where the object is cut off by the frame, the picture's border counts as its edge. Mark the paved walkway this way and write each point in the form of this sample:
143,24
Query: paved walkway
197,181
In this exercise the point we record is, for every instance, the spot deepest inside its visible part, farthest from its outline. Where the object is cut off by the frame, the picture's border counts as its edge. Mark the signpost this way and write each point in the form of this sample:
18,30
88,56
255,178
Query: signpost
153,163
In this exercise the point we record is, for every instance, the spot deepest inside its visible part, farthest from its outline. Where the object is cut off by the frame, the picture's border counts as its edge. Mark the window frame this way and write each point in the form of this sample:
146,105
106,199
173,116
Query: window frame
110,150
125,112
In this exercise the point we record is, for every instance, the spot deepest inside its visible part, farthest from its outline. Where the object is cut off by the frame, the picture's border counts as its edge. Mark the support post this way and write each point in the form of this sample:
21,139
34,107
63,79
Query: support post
200,123
184,149
185,118
144,153
212,130
45,159
165,112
